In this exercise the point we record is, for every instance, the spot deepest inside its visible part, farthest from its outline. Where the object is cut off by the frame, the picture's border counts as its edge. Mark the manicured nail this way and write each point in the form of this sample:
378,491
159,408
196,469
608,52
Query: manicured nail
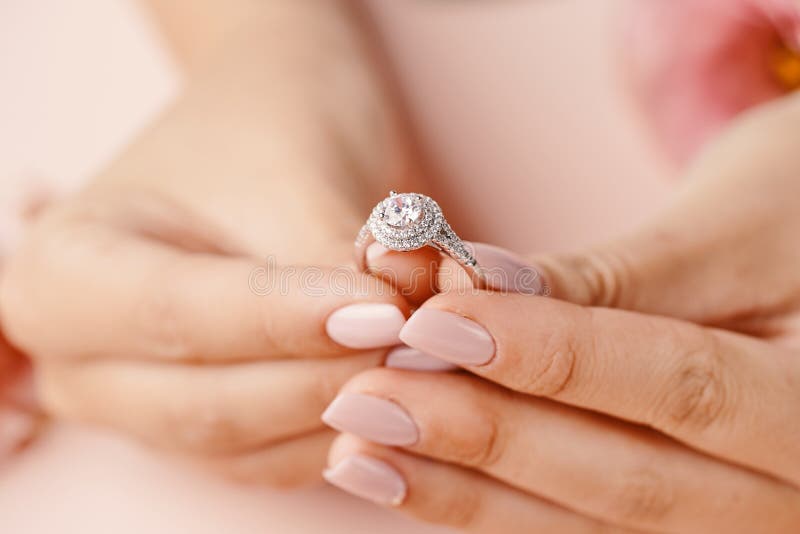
365,326
368,478
505,271
371,418
415,360
448,336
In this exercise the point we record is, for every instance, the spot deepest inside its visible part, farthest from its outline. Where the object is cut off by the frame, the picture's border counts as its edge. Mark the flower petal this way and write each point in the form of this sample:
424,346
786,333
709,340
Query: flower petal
696,64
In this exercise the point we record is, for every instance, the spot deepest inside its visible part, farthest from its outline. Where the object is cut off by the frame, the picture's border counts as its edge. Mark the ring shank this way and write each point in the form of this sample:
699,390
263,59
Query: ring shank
446,241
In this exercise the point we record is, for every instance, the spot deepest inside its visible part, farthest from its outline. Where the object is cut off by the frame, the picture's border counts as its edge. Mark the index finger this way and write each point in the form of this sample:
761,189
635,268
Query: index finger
724,393
110,293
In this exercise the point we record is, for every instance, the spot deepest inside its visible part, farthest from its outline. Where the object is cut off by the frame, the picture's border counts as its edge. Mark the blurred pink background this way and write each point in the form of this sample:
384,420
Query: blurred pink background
521,104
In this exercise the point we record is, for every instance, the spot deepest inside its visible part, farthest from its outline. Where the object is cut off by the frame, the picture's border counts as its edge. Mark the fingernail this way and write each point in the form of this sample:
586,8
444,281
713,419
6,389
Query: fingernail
16,429
415,360
368,478
375,251
448,336
371,418
505,271
365,326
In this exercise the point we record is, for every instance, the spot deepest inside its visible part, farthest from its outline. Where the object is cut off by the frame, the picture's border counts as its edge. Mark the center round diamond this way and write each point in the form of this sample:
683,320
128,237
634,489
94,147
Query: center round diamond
401,211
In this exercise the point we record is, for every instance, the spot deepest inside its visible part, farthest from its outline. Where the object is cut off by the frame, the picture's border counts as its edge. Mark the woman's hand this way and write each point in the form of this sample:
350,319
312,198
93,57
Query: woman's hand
575,415
21,419
193,295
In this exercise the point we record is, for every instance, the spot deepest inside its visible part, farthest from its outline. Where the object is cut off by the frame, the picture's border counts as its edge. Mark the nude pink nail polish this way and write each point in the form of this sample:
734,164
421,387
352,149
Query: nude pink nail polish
368,478
505,271
371,418
448,336
412,359
365,325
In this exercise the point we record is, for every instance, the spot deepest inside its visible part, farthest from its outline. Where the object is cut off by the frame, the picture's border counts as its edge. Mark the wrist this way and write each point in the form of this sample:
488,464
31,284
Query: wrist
293,90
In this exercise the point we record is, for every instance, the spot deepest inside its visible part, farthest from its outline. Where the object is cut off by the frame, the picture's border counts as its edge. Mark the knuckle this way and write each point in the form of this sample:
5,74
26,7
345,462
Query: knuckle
484,445
643,496
604,275
160,317
558,356
697,394
489,447
481,447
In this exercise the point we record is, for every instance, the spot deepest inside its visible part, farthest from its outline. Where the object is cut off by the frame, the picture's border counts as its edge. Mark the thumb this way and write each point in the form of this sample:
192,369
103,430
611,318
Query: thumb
653,272
661,270
724,252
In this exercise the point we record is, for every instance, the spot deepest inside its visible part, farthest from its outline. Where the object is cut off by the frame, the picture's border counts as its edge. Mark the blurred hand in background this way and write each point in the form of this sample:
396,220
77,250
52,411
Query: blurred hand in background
136,297
21,418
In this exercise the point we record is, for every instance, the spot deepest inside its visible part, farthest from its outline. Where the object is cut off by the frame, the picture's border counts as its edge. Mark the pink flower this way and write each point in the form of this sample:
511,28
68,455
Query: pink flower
696,64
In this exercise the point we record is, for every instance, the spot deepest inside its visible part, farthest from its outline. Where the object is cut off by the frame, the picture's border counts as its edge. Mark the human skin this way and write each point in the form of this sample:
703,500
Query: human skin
523,508
21,419
658,391
135,296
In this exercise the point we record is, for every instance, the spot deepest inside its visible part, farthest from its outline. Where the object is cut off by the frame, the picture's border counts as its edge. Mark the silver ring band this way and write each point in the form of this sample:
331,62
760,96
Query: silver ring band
410,221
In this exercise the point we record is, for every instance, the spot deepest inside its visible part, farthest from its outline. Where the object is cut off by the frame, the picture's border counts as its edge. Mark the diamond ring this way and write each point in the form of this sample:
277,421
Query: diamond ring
409,221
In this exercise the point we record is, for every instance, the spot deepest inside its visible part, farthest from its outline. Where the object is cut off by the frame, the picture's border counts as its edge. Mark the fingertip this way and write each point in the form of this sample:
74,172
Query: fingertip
344,445
369,478
365,325
412,274
507,271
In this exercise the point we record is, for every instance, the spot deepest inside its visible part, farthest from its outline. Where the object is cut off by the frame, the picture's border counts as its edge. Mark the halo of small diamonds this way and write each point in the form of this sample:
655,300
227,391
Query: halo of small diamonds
418,228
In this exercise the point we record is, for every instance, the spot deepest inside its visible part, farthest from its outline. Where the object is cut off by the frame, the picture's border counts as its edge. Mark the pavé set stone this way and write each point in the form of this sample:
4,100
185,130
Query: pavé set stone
409,221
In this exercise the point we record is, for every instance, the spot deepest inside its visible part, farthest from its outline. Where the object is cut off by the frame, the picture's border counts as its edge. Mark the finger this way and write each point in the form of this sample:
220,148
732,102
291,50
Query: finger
721,253
423,272
695,384
445,494
18,429
16,378
287,464
136,298
200,409
20,391
413,274
607,469
504,272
